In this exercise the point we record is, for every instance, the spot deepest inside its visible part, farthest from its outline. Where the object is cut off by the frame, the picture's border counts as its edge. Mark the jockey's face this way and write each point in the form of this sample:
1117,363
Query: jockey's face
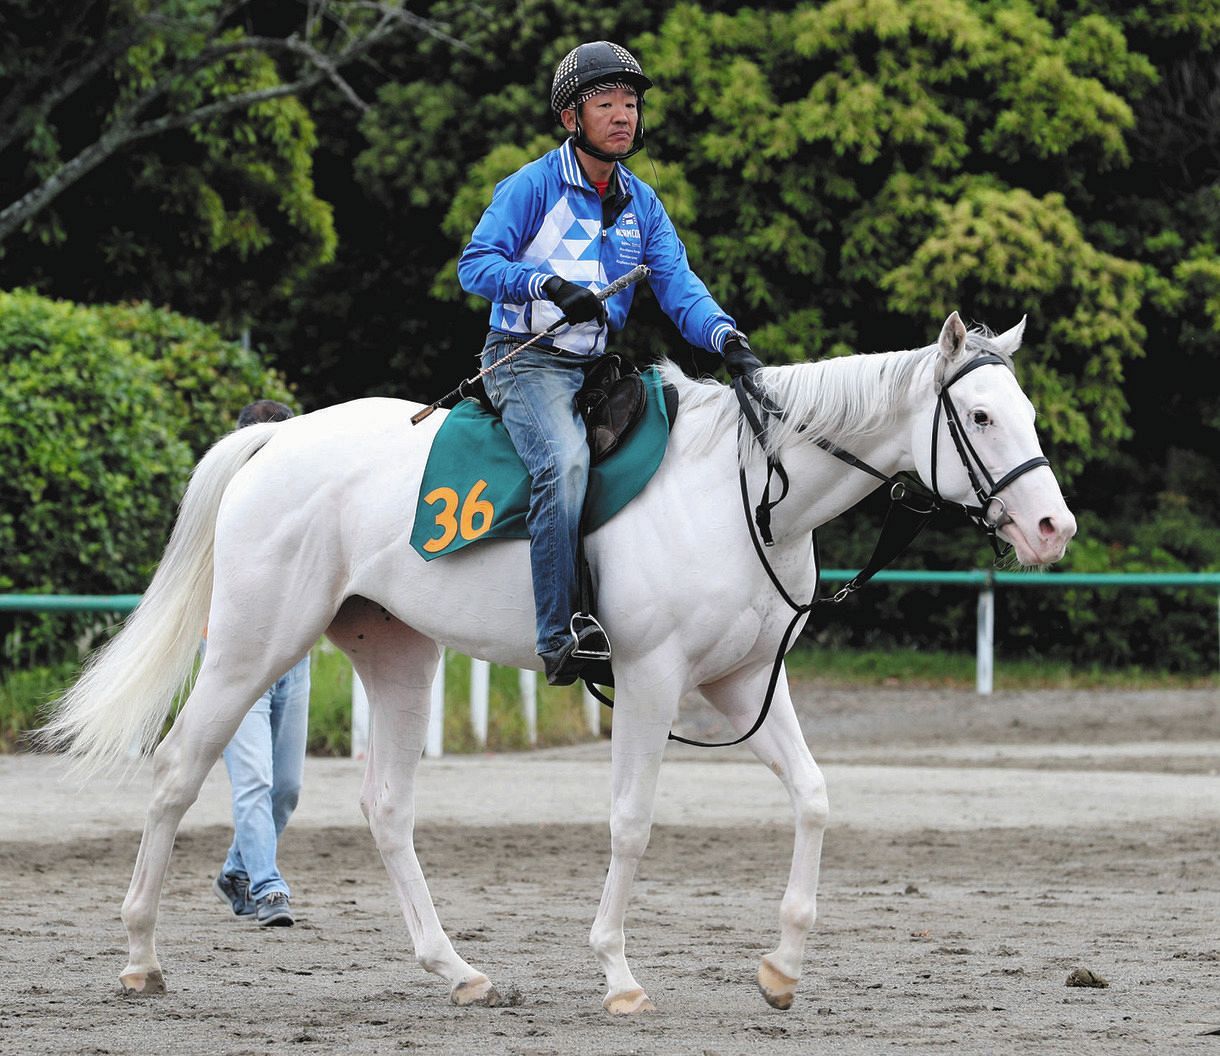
609,120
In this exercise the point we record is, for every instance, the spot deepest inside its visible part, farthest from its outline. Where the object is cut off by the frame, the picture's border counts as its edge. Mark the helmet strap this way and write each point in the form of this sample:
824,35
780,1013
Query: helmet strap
636,144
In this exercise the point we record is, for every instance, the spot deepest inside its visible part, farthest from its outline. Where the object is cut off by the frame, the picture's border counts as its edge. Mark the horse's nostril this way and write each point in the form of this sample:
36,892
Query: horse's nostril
1047,527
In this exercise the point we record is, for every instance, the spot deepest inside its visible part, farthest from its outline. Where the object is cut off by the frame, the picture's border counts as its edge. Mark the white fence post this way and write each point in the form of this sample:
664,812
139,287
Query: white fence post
480,694
434,744
480,690
985,647
360,718
528,683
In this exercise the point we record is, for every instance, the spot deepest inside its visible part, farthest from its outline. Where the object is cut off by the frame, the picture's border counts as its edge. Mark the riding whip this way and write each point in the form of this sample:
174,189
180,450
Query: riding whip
640,271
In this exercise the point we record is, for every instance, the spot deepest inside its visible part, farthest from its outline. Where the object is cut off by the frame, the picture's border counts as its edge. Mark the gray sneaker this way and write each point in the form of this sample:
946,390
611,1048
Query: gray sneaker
234,892
273,911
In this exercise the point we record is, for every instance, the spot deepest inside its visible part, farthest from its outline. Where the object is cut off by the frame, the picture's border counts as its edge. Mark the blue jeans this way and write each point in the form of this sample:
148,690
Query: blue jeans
266,762
535,393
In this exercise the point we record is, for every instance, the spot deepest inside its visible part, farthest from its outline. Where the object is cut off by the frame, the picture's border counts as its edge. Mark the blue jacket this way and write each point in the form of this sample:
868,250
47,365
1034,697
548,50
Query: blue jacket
546,219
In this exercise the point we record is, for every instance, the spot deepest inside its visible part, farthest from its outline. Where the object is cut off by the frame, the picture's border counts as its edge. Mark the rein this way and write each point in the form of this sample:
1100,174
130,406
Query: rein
903,521
762,516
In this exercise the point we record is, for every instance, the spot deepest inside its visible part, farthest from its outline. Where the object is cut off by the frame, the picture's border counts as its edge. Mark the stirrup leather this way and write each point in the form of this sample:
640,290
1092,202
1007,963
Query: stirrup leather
592,642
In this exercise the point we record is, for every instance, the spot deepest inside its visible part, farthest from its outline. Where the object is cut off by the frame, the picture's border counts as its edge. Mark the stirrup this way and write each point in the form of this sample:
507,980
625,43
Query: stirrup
591,640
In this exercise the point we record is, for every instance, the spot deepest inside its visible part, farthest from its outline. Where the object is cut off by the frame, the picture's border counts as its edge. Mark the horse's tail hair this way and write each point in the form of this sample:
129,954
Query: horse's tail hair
116,709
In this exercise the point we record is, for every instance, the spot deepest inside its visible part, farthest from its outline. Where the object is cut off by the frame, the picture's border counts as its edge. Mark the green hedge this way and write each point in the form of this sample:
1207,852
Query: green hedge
103,412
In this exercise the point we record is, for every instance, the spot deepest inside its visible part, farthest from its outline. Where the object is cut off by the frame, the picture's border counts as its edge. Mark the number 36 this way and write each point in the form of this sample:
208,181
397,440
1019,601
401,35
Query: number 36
474,509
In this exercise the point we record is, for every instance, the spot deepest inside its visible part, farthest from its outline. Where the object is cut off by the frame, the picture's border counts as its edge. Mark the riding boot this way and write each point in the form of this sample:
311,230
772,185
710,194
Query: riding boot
588,643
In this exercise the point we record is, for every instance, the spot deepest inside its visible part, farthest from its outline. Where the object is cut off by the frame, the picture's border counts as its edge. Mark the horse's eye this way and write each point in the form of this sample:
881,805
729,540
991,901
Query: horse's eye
981,418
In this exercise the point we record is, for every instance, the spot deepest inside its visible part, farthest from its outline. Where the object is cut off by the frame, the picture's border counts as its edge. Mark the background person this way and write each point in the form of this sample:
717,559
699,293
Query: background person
266,764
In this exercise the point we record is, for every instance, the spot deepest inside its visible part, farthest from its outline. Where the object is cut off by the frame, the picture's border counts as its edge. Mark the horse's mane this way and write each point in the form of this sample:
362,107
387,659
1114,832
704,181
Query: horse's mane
841,399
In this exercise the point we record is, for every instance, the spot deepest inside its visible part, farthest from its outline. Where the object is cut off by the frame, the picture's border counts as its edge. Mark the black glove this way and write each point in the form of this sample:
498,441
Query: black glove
579,304
738,359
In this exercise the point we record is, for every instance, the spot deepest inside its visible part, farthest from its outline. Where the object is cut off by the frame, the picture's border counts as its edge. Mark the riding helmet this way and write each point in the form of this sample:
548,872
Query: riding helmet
587,65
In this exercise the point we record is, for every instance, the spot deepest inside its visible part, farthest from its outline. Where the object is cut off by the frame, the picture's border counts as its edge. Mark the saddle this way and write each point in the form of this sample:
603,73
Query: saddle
475,486
611,402
472,466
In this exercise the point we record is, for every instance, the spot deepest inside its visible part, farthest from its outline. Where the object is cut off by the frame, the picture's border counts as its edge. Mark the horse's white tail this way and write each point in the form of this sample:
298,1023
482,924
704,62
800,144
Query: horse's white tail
119,704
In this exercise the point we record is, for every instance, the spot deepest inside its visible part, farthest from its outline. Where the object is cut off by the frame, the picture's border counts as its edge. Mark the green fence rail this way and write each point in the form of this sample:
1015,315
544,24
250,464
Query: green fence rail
68,602
976,578
986,580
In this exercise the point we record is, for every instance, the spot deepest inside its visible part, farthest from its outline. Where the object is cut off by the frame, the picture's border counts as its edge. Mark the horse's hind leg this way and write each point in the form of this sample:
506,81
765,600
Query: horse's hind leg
396,666
781,745
212,713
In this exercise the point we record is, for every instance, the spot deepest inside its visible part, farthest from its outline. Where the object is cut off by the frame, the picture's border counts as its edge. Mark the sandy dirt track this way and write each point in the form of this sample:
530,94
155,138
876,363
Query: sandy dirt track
980,849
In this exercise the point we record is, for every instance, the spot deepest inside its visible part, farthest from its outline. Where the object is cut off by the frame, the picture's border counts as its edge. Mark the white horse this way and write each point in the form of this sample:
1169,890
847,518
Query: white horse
299,528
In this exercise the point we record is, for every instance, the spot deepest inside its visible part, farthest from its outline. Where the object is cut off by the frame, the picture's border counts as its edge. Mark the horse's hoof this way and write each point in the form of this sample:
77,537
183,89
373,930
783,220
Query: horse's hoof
477,990
629,1004
777,988
143,984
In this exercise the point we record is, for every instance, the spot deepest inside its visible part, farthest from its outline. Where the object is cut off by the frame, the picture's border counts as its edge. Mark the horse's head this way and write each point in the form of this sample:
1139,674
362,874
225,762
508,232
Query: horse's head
979,447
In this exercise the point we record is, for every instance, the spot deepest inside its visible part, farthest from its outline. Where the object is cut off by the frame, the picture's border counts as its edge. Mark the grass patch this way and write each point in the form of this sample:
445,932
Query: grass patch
561,714
24,696
560,710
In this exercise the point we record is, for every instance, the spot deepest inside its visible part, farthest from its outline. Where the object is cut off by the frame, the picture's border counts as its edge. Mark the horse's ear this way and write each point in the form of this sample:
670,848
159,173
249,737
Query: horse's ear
952,346
1009,341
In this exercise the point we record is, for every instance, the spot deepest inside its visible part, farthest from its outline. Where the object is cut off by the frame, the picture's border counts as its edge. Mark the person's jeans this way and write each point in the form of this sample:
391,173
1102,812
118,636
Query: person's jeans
266,763
535,394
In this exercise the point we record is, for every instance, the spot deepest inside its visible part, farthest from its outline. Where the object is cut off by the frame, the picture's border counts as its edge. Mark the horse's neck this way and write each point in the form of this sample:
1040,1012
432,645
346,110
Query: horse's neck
823,486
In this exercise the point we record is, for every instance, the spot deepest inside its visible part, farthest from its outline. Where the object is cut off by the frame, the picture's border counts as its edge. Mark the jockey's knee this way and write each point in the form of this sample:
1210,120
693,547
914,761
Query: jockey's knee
567,471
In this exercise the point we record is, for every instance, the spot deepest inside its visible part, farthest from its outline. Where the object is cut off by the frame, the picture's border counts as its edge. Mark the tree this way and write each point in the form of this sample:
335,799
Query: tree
103,411
864,169
382,317
196,106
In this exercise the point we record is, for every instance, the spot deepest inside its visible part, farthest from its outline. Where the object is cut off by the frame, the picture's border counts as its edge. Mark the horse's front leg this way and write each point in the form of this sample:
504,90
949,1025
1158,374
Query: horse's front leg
396,666
781,745
637,746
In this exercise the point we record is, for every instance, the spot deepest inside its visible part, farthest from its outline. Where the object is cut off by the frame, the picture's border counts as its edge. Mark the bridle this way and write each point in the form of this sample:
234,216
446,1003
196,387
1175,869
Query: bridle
912,507
903,488
976,471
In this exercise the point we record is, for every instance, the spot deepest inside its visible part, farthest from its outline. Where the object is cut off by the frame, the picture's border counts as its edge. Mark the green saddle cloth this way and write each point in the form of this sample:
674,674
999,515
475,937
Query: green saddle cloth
476,487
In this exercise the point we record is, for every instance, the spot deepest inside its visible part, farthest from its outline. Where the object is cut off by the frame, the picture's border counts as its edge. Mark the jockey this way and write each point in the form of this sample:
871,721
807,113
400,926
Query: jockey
556,232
